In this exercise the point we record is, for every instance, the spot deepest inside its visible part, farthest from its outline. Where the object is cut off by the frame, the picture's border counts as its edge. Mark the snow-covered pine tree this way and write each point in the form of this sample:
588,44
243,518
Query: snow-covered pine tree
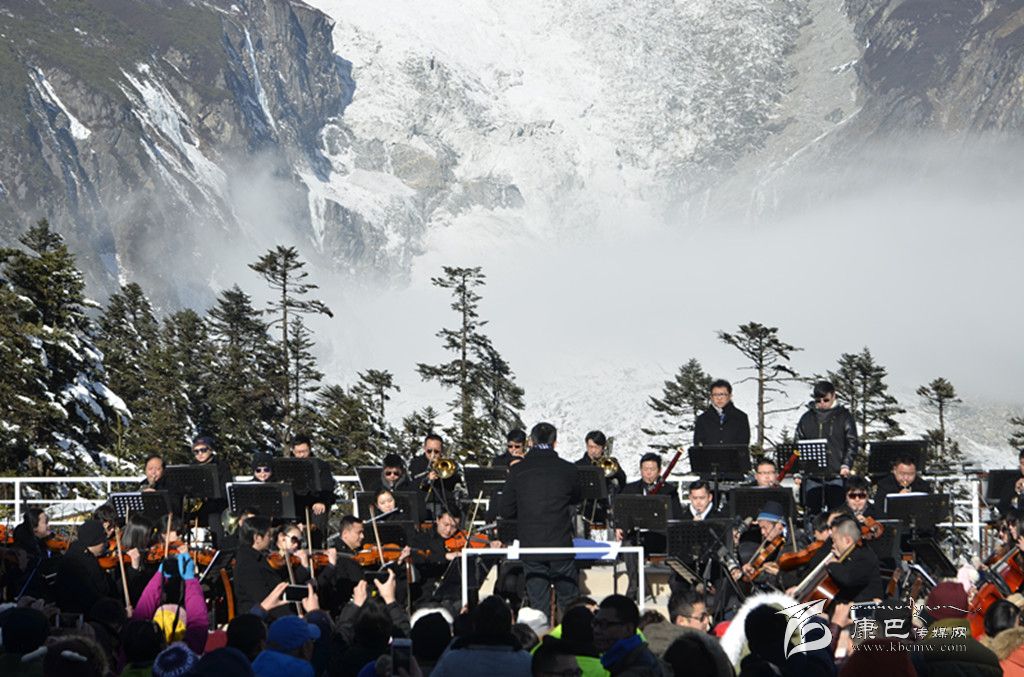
130,340
282,269
768,356
470,373
245,409
373,387
345,427
1016,438
682,401
861,382
945,454
416,426
50,312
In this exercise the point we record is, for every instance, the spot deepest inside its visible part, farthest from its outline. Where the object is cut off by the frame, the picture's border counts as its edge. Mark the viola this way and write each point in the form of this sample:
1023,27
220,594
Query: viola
794,560
460,539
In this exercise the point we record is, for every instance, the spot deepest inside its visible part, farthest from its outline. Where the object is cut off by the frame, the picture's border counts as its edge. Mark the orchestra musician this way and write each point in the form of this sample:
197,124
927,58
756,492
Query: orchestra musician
210,511
393,476
440,573
766,474
80,581
36,563
1011,495
154,469
857,499
827,419
902,480
858,575
262,468
440,491
320,502
596,511
722,422
254,578
515,448
347,571
771,524
540,492
701,505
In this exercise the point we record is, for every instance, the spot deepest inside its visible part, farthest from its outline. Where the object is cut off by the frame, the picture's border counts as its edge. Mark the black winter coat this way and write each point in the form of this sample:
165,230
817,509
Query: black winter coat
835,425
540,492
858,576
709,429
254,579
80,581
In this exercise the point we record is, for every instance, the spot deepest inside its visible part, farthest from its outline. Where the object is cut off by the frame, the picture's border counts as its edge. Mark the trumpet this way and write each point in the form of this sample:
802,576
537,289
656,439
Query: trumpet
609,465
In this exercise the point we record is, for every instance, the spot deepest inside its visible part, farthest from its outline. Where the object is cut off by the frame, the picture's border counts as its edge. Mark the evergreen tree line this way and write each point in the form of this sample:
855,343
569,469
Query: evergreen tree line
87,389
858,378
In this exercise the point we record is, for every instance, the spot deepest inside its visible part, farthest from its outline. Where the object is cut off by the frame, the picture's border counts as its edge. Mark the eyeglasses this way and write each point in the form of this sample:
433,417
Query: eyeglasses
702,617
857,494
201,450
826,398
392,473
263,468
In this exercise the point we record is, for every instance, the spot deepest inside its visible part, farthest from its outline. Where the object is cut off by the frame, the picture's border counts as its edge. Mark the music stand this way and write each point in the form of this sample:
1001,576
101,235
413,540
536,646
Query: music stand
197,480
270,499
747,501
720,461
369,477
410,502
489,481
920,511
592,484
302,473
152,504
881,455
632,511
390,532
928,552
887,546
690,541
1000,485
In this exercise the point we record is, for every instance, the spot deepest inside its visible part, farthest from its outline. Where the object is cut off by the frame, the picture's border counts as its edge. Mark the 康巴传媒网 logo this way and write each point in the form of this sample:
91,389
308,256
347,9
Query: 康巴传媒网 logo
804,617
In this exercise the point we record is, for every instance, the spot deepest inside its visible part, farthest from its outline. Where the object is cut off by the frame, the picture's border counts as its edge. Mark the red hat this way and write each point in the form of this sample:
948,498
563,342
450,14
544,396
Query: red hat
947,600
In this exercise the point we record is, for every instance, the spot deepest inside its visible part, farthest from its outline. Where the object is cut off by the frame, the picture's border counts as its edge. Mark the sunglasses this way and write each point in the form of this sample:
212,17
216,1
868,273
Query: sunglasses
201,450
857,494
263,468
296,540
392,473
514,445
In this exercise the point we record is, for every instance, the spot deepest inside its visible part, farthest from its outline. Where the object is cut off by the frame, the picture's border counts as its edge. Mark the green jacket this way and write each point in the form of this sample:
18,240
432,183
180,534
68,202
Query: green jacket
590,665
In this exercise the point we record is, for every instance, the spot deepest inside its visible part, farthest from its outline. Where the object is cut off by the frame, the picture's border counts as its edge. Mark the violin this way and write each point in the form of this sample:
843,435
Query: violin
460,539
277,561
761,558
794,560
57,543
370,555
110,560
871,529
156,554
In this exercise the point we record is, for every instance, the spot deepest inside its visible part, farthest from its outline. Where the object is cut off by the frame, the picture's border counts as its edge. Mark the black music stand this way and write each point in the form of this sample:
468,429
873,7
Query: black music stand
921,512
487,481
152,504
691,541
369,477
399,533
887,546
730,462
270,499
747,501
928,552
302,473
412,503
633,511
881,455
592,484
1001,484
196,480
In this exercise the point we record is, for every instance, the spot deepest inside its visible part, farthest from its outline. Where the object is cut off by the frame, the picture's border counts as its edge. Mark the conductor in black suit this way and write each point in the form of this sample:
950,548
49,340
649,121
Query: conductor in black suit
539,493
722,423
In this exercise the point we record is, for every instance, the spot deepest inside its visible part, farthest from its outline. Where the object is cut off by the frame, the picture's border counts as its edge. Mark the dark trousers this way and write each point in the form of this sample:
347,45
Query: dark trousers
542,574
814,494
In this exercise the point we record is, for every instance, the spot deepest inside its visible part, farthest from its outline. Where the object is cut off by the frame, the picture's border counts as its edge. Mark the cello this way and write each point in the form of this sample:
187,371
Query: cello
1005,576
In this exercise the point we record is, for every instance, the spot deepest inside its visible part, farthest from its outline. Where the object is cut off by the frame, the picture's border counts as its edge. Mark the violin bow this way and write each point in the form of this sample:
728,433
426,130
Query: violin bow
124,575
309,546
376,537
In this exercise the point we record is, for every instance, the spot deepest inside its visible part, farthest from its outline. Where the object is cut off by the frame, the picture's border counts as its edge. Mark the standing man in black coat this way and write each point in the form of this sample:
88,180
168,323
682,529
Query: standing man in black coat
596,511
210,512
321,502
440,491
722,423
515,449
827,419
540,492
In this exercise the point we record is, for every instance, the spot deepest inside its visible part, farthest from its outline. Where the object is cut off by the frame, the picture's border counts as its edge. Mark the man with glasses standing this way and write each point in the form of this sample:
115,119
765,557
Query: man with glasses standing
210,511
828,420
515,449
722,423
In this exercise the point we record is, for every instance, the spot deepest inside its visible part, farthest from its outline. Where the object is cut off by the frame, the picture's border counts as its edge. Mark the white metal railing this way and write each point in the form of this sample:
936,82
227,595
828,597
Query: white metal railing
25,494
608,552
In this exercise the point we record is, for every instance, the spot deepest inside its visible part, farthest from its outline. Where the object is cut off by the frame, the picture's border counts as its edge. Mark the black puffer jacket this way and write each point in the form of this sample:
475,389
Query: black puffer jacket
835,425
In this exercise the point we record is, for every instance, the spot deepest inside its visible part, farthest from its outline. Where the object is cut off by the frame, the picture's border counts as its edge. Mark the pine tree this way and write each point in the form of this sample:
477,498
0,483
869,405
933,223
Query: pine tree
304,375
1016,438
245,409
373,387
939,395
769,358
346,428
861,382
282,269
482,381
681,402
416,426
51,312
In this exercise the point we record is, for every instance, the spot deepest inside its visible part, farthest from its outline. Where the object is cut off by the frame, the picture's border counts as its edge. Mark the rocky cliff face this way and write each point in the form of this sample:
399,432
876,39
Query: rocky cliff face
148,132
